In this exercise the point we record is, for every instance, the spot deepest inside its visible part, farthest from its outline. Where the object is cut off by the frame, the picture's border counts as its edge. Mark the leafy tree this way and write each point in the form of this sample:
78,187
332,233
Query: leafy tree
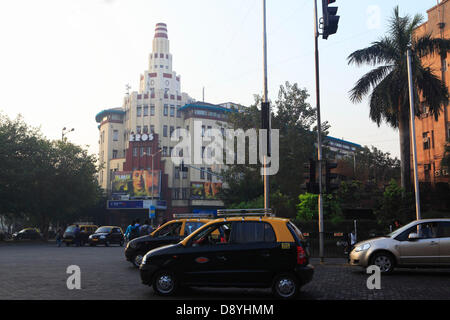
307,209
294,118
388,82
396,205
43,181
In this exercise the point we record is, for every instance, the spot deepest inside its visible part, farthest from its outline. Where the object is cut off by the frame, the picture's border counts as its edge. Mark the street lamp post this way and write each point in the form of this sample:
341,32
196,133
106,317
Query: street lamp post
64,131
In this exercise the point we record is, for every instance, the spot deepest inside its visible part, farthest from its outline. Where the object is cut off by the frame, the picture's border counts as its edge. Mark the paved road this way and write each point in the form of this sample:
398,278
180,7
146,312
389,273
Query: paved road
38,271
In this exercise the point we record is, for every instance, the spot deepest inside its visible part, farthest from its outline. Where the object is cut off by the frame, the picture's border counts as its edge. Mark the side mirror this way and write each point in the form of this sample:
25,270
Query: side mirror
413,237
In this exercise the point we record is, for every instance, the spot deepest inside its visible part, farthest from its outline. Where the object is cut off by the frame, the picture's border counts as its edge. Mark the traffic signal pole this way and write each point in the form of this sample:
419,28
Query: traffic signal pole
265,101
319,134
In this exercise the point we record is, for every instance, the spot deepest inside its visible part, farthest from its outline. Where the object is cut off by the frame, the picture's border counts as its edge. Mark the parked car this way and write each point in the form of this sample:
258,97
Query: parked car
85,232
171,232
107,235
28,234
252,250
421,243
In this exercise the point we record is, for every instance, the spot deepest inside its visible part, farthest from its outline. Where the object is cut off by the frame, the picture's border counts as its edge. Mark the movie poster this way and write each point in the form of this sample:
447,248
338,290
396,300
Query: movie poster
138,183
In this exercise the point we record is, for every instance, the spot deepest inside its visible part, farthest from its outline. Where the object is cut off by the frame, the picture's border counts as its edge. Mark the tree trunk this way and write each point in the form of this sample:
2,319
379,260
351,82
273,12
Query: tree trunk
405,148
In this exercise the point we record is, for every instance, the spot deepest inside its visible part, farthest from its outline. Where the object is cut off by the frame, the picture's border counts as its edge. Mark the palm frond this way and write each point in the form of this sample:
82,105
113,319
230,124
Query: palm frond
368,81
382,51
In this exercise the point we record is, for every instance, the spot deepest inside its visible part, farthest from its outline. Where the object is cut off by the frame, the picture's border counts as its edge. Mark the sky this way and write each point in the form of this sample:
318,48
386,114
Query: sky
63,61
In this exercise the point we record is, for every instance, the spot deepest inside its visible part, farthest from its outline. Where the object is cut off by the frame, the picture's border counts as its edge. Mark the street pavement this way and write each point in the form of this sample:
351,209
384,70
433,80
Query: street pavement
38,271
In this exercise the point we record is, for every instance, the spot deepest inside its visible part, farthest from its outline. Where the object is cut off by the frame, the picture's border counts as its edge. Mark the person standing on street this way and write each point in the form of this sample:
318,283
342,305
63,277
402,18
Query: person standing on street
59,237
77,235
352,240
128,231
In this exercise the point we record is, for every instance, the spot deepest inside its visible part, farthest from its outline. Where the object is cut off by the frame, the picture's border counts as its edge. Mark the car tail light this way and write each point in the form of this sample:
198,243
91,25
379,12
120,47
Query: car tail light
301,255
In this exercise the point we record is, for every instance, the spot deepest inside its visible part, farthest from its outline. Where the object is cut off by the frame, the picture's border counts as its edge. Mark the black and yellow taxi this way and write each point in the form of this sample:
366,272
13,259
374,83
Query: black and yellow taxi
107,235
251,249
28,234
85,231
171,232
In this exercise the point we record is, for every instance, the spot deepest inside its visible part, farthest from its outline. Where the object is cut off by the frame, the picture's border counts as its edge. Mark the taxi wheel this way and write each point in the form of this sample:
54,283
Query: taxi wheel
285,286
165,283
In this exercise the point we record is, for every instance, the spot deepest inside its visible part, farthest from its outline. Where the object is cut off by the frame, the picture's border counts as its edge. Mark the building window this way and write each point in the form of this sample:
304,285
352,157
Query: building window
172,129
142,151
178,112
149,150
176,193
152,128
138,129
164,152
116,135
103,136
135,152
114,154
177,172
184,193
172,111
145,111
203,131
152,110
170,151
145,129
208,131
166,110
426,141
139,111
164,131
203,152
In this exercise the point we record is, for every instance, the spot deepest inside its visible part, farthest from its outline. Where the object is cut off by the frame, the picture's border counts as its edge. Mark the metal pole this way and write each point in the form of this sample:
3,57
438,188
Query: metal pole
153,183
319,133
413,132
265,99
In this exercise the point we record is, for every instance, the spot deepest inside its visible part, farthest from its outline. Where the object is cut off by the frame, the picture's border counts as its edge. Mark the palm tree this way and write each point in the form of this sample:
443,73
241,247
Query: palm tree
387,84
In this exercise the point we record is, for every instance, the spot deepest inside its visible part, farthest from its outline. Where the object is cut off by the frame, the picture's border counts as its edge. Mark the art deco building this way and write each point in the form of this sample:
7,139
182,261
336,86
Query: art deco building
135,144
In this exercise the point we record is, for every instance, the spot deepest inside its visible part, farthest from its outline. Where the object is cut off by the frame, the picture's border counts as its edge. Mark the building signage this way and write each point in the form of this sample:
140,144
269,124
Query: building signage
141,137
441,173
135,204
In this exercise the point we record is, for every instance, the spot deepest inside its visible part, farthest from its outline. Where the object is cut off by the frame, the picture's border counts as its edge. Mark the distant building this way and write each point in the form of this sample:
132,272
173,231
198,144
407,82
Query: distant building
431,134
135,145
341,147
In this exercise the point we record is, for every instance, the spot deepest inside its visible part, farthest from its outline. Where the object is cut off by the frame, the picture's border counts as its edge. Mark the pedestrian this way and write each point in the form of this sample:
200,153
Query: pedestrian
128,231
76,233
134,233
59,237
144,229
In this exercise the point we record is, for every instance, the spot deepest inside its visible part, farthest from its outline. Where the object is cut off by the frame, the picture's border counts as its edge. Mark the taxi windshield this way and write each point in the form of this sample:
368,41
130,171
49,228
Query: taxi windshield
70,229
103,230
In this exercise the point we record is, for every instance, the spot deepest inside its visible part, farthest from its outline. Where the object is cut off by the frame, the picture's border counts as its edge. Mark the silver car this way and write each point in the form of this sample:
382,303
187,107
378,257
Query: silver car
421,243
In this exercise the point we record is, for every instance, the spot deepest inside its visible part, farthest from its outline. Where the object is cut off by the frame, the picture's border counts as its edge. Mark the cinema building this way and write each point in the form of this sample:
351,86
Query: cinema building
135,146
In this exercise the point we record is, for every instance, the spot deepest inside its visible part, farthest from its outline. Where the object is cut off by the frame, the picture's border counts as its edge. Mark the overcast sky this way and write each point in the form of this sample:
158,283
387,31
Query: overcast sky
63,61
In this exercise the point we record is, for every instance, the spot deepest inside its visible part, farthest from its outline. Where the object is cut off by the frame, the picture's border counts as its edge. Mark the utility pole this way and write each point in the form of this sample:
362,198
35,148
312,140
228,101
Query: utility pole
319,133
265,109
413,131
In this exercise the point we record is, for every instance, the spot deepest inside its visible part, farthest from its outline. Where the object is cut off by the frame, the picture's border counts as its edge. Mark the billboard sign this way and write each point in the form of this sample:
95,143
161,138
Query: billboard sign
137,183
205,190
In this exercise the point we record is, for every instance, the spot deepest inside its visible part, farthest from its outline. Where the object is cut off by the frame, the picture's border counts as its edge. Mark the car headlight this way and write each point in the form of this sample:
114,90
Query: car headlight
362,247
132,244
90,237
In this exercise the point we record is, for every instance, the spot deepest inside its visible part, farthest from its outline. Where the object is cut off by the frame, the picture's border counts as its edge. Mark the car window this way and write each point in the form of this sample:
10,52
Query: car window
191,227
427,230
248,232
216,234
444,230
171,230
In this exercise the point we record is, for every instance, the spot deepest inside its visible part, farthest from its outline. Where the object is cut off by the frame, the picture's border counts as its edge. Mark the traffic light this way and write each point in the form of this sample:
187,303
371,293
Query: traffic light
330,186
330,19
310,184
